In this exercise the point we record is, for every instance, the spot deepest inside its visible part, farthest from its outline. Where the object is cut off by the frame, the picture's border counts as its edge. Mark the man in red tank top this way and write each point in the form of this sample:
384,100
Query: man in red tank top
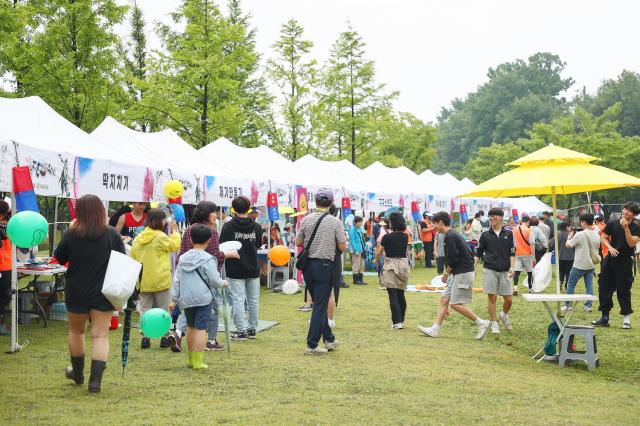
129,223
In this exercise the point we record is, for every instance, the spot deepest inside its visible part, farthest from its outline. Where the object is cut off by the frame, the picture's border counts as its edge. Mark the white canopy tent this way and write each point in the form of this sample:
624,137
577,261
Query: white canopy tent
32,123
163,149
257,163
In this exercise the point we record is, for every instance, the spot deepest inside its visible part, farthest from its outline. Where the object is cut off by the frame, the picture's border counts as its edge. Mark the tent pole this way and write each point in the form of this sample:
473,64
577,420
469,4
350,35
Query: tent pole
555,233
14,288
268,259
55,225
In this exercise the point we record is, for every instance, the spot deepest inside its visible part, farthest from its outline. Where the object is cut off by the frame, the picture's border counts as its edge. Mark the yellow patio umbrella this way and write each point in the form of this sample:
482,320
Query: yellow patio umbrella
553,170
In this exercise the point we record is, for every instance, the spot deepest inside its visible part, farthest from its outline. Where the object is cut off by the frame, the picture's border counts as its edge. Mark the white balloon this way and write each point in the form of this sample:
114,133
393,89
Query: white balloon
290,287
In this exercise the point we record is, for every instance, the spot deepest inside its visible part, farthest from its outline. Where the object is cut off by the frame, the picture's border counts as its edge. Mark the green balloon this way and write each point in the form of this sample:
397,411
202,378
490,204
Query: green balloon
155,323
27,229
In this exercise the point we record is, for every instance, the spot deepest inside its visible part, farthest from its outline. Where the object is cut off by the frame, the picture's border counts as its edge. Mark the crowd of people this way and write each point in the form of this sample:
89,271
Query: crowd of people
185,271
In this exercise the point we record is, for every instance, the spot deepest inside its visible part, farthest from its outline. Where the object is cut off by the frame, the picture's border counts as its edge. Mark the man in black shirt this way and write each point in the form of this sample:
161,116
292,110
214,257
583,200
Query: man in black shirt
498,253
459,277
620,237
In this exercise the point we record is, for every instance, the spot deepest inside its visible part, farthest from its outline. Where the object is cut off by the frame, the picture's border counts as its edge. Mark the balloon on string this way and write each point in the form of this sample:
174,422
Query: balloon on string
279,255
155,323
178,212
290,287
27,229
173,189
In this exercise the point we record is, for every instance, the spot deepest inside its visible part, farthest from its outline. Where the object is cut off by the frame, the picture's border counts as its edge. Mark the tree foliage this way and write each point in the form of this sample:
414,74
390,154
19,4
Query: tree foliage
517,95
581,131
66,53
624,90
294,74
202,82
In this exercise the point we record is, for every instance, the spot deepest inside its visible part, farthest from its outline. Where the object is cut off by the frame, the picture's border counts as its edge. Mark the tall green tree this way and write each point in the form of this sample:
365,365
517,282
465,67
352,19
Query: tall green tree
66,53
200,81
256,104
353,97
405,140
294,74
517,95
135,55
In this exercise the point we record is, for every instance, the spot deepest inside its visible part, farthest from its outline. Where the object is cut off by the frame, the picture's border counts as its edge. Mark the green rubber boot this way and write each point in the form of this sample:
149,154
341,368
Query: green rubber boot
198,361
190,360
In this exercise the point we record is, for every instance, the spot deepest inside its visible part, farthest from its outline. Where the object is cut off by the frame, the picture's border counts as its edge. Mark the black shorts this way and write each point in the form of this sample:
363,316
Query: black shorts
100,304
198,317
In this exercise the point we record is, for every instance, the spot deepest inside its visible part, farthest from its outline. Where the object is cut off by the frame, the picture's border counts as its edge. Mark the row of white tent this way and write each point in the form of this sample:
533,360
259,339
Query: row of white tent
33,123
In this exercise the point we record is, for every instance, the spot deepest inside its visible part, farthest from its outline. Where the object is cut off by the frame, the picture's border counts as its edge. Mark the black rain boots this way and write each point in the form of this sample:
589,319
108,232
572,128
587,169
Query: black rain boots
76,371
97,368
358,279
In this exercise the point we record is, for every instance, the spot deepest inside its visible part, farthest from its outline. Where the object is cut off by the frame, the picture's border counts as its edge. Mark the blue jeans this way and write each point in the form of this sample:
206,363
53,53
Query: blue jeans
574,277
319,276
212,325
241,289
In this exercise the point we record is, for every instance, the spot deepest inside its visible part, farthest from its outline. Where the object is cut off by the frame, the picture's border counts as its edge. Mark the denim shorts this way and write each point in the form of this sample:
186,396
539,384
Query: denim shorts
198,316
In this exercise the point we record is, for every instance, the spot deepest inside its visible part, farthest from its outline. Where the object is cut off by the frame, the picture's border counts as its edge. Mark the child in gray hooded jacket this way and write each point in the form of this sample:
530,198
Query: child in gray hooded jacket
196,274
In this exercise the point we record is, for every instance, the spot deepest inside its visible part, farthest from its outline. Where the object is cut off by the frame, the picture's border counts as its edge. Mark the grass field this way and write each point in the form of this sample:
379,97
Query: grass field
377,376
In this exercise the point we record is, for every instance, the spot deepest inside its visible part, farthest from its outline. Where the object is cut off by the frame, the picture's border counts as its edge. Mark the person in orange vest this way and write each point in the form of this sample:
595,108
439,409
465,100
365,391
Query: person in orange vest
427,231
599,228
5,265
525,249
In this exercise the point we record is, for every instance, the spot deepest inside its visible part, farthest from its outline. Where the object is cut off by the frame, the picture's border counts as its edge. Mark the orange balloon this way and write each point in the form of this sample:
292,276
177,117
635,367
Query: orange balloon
279,255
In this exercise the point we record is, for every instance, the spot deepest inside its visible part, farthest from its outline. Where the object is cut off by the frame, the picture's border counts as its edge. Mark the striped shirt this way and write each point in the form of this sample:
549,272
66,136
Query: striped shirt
330,234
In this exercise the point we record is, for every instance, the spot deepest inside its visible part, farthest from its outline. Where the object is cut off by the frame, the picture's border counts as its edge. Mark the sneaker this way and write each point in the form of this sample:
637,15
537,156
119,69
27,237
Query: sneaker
626,325
601,322
515,291
495,328
175,342
482,330
164,342
332,323
505,320
565,308
214,346
587,309
329,346
239,335
316,351
398,326
428,331
251,334
305,308
146,343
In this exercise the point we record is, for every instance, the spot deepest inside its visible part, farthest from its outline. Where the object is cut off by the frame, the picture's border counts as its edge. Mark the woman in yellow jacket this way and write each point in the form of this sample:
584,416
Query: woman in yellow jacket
152,248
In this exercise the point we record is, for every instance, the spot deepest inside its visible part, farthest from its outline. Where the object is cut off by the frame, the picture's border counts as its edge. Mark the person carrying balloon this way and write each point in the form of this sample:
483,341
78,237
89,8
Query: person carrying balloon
152,248
195,278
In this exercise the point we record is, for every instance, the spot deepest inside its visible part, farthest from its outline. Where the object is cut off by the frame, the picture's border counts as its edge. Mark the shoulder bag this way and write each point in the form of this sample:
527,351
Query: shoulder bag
303,257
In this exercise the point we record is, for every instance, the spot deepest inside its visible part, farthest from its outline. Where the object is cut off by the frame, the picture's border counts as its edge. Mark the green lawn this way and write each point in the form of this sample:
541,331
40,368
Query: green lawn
377,376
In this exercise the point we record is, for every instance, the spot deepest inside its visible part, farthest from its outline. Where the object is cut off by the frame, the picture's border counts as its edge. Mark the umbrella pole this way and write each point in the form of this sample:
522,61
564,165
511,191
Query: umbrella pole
555,233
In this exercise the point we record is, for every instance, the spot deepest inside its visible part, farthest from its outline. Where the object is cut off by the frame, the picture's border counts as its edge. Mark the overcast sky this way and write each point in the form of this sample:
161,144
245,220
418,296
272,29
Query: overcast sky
434,51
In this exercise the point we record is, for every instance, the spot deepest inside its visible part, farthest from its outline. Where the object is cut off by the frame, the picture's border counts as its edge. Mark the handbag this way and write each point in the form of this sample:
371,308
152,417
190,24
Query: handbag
121,278
595,257
303,256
